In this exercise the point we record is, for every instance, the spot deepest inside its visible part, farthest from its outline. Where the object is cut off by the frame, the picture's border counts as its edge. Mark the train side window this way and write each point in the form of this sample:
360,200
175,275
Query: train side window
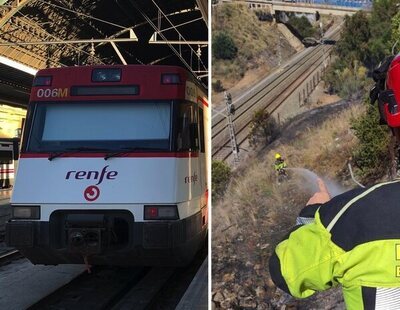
201,125
187,134
194,127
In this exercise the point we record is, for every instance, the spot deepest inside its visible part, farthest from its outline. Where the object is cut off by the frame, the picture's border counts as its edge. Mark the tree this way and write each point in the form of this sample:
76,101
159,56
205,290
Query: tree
217,86
302,25
263,128
223,46
220,174
381,30
396,33
373,145
353,45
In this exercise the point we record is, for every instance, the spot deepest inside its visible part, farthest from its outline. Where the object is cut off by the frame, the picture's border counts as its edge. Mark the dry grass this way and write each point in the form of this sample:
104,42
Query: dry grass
325,150
256,212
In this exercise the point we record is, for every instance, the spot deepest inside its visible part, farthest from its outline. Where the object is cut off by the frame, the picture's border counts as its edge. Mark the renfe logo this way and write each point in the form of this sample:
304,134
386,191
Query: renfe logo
191,179
91,193
92,175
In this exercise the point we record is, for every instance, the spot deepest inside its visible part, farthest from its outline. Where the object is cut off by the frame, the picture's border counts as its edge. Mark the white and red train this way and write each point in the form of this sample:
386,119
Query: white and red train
113,167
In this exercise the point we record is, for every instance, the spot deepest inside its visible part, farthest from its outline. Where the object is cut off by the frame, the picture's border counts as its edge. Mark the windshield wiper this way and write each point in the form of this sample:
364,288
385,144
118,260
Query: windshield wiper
127,150
73,149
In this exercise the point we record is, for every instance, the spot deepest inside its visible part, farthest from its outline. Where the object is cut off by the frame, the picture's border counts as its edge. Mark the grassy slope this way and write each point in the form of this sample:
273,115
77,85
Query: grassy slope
256,42
257,212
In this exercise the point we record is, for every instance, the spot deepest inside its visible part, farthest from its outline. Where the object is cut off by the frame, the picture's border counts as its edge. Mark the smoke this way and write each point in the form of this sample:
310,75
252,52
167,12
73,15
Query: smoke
310,183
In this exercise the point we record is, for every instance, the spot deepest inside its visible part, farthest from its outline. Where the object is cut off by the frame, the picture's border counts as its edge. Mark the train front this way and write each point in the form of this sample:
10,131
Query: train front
112,168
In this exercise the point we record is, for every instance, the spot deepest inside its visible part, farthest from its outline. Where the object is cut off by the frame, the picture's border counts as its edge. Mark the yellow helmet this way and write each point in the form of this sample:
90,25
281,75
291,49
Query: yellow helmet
277,156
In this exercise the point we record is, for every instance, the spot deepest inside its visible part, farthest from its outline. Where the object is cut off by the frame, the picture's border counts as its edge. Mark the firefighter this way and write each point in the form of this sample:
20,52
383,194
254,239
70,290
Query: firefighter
353,239
280,164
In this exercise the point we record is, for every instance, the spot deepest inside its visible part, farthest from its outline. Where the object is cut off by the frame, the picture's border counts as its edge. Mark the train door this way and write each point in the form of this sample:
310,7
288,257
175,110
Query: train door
203,168
188,141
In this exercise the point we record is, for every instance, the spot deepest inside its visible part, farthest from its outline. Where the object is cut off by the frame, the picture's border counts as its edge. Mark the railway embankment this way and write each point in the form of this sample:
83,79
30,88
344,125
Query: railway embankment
256,211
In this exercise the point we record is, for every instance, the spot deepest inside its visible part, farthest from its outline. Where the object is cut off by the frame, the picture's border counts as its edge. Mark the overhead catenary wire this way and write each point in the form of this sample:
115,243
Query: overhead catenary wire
82,14
164,38
149,21
79,49
174,27
93,18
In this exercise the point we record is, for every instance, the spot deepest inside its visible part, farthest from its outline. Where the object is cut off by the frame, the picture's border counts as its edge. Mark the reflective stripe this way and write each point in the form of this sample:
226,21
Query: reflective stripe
348,205
387,298
304,220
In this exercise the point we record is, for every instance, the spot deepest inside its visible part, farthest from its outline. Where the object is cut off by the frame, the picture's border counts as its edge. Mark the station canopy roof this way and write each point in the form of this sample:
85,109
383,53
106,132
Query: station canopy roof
56,33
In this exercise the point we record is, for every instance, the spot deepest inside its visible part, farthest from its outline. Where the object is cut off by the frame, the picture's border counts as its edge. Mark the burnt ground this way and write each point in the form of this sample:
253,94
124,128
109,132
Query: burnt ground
241,250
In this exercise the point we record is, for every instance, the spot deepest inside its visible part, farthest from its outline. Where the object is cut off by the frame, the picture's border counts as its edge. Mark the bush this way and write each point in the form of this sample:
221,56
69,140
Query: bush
221,174
217,86
263,128
223,46
373,148
264,16
302,25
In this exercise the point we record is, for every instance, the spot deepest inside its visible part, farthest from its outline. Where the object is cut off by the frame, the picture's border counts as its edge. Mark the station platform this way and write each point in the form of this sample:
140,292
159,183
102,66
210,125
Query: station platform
196,296
5,210
5,194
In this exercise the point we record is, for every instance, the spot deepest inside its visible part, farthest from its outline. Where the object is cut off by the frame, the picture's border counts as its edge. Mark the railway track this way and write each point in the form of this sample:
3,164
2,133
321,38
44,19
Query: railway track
124,288
8,256
269,96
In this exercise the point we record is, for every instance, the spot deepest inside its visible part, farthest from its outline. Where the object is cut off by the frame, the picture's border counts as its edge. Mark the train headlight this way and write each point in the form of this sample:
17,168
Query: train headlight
165,212
26,212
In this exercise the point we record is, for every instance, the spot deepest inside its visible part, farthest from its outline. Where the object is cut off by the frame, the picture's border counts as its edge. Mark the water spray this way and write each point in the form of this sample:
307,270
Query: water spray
333,187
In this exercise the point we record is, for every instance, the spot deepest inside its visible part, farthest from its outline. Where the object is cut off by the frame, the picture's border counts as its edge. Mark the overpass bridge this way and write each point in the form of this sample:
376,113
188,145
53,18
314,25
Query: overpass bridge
334,7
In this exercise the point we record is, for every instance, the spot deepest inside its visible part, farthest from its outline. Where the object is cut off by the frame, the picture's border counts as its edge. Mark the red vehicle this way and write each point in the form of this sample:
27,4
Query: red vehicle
113,167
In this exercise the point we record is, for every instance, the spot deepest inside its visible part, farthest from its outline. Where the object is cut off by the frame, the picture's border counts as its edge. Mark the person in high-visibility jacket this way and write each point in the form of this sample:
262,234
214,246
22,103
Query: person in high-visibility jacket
353,239
279,163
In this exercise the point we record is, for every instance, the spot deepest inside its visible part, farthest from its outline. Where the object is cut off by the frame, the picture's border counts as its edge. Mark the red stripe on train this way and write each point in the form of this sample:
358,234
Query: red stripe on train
202,100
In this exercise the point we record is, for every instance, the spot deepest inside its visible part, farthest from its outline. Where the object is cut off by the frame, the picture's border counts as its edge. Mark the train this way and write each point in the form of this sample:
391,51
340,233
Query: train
8,160
113,167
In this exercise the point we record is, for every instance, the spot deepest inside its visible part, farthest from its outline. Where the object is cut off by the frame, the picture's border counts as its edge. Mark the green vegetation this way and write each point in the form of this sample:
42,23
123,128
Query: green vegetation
264,128
381,41
217,86
373,146
350,82
223,46
264,16
221,174
303,26
353,45
365,41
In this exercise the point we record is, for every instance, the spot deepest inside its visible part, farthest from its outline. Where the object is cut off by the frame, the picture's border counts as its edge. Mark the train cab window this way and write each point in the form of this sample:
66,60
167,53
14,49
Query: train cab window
187,133
201,125
101,126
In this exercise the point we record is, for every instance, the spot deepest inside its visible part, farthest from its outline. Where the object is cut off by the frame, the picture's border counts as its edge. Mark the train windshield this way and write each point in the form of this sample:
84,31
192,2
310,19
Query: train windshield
144,125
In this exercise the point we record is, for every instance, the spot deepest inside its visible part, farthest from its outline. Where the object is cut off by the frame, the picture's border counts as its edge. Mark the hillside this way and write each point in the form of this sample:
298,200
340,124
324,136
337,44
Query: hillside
260,45
256,41
256,211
